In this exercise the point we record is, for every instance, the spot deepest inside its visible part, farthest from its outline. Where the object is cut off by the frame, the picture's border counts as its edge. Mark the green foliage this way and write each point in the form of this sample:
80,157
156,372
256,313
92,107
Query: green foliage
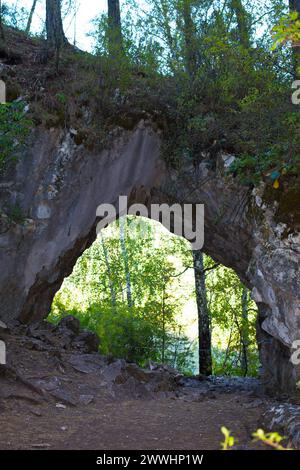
14,213
96,294
62,98
288,29
14,15
14,129
239,98
225,302
229,440
229,362
162,286
271,439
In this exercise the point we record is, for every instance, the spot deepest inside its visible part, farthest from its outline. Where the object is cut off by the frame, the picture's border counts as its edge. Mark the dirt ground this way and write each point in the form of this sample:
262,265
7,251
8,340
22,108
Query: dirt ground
135,424
57,392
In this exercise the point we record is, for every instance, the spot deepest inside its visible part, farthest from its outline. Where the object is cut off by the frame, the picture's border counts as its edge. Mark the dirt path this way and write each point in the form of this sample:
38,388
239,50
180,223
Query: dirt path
57,392
135,424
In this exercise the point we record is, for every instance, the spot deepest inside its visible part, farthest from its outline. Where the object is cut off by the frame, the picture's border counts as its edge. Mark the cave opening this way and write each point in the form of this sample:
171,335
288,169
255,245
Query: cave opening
136,288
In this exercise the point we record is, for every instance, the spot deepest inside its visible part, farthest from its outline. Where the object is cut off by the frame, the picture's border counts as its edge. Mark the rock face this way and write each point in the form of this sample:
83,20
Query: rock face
58,185
284,418
38,351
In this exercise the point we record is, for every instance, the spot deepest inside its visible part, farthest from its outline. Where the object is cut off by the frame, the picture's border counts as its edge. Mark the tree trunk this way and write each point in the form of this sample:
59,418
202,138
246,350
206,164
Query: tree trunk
295,7
163,346
115,38
123,223
242,22
168,33
113,296
2,36
189,39
54,26
205,356
245,331
27,31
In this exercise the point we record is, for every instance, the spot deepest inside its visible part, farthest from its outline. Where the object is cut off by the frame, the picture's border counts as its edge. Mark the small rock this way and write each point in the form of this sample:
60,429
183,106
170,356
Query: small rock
115,372
35,412
3,326
86,399
49,385
64,397
60,405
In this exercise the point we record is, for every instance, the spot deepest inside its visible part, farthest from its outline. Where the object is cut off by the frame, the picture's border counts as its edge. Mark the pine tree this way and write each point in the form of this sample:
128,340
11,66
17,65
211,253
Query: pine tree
115,38
54,25
243,23
189,31
27,31
2,36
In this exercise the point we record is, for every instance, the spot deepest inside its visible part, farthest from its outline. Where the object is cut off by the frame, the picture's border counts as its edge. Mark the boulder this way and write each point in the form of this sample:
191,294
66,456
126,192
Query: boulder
86,341
63,396
120,372
116,373
87,363
70,323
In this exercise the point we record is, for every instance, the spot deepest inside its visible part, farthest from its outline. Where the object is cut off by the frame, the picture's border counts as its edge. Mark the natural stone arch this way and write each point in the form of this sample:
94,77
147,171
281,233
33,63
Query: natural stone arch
59,185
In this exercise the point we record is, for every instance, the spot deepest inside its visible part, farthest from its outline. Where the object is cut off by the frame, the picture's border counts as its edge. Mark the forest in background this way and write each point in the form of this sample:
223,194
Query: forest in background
135,288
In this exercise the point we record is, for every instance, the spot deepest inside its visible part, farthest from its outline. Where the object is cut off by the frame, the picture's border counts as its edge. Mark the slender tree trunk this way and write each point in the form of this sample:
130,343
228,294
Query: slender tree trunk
163,348
189,39
115,38
54,26
295,7
27,31
168,32
113,296
245,331
123,223
205,356
242,22
176,348
2,35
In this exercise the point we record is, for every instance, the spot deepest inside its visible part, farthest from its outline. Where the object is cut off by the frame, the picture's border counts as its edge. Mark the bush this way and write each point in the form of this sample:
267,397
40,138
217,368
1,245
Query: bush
14,129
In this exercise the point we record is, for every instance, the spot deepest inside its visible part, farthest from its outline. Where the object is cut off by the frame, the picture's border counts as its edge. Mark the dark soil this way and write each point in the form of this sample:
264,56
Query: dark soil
57,392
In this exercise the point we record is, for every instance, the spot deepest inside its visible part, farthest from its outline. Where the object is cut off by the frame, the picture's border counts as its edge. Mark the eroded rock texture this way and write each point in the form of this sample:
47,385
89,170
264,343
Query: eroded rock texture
58,185
284,418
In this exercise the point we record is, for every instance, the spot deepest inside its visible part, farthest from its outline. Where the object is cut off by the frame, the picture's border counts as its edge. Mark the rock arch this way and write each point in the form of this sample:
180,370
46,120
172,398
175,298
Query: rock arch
58,186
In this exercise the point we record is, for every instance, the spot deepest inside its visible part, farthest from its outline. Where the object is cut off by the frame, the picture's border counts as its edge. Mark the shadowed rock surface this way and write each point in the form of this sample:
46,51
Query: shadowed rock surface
284,418
60,187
